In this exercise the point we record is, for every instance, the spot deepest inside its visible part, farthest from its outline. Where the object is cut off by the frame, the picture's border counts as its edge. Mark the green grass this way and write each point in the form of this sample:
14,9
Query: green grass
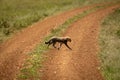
33,64
18,14
110,46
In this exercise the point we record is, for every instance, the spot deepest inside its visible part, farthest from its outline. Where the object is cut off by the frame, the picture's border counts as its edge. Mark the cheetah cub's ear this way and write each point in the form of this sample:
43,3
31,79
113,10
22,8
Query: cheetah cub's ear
68,38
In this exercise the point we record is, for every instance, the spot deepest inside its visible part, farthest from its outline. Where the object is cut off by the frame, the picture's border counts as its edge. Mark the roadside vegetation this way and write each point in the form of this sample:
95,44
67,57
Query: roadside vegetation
16,14
33,64
110,46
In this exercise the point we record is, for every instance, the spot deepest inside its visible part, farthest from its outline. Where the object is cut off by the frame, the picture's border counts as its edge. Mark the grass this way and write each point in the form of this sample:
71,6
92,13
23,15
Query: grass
33,64
16,14
110,46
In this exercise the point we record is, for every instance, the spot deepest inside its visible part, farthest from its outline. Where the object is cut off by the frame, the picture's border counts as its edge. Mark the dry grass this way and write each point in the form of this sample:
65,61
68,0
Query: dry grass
18,14
110,46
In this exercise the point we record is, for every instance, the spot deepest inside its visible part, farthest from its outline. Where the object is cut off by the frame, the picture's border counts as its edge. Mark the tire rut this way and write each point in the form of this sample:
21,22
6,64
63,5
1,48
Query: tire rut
82,62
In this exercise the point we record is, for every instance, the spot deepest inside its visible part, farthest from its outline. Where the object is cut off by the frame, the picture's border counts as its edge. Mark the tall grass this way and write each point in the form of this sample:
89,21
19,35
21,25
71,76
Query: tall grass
18,14
110,46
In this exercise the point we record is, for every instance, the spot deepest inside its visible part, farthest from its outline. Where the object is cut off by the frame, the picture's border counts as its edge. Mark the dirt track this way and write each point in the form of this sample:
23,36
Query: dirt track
14,51
82,62
75,66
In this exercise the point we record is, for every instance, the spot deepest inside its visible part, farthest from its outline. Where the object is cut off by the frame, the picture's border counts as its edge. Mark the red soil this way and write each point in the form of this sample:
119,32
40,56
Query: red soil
14,51
82,62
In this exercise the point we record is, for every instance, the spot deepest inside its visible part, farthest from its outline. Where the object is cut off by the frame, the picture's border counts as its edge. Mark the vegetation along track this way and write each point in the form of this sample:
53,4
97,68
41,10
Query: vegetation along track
13,51
80,63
